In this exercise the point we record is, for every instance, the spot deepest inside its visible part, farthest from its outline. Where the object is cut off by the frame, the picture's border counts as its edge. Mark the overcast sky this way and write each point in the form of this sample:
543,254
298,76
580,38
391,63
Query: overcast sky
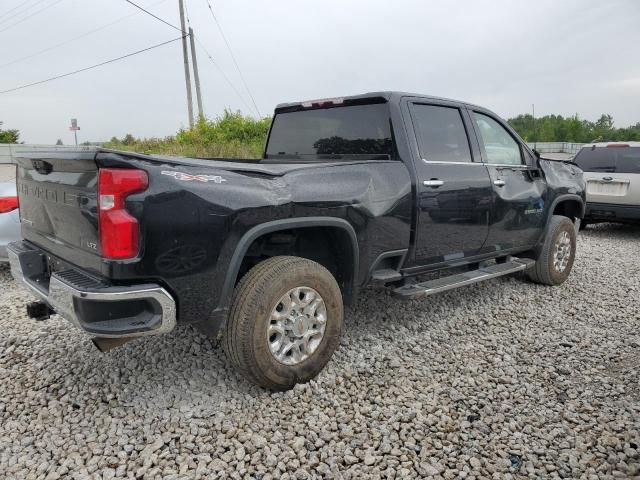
565,56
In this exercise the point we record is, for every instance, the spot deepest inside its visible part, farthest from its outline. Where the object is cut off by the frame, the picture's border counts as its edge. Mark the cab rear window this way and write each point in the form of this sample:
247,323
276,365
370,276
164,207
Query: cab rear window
609,159
348,132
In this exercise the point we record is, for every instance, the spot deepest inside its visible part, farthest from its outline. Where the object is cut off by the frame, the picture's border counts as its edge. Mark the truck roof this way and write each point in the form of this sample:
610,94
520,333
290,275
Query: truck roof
385,95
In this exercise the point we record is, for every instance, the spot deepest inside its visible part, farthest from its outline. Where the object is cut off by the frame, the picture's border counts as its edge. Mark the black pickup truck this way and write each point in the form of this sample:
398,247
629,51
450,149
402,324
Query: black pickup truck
370,189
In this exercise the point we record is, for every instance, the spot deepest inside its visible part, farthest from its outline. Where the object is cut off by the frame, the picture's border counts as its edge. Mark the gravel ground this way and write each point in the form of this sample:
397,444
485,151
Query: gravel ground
504,379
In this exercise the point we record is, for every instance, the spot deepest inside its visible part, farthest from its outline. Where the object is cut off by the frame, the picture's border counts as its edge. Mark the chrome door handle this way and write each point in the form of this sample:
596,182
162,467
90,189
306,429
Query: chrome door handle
433,183
499,183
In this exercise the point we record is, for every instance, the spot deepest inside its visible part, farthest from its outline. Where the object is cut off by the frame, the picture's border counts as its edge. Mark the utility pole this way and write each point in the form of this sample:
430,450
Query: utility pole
196,75
533,116
185,56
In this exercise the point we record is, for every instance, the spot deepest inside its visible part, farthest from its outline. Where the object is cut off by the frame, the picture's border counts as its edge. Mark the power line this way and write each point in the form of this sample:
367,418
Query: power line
155,16
208,55
29,16
92,66
233,57
18,13
204,49
14,8
66,42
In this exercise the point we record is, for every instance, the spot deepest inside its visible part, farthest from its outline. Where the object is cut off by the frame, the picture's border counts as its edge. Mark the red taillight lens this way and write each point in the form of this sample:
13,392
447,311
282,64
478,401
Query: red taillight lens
617,145
119,231
8,204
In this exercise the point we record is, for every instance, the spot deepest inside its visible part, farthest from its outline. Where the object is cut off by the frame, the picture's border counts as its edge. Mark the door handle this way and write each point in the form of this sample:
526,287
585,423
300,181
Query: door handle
607,179
433,183
499,183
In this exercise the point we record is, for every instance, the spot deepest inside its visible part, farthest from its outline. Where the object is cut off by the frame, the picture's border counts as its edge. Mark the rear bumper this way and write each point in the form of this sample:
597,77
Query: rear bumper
612,212
92,304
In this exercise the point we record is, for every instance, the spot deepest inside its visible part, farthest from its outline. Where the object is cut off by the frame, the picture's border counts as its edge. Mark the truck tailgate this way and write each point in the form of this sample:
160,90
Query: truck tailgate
58,204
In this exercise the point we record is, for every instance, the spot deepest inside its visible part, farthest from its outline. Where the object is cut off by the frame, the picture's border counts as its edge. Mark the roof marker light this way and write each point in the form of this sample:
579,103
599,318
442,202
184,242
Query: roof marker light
323,102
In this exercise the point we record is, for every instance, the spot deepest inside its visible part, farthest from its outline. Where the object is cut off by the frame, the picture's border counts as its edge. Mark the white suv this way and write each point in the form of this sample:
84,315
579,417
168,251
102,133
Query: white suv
612,173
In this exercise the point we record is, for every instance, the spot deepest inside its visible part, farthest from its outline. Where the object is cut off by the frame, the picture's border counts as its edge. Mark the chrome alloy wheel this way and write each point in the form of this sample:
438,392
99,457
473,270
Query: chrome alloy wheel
562,252
296,326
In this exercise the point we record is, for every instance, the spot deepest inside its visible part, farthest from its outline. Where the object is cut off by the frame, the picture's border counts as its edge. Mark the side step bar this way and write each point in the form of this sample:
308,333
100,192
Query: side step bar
386,275
467,278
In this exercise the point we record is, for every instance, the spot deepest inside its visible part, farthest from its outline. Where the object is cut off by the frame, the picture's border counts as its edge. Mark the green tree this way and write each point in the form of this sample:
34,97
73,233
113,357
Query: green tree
9,136
556,128
128,139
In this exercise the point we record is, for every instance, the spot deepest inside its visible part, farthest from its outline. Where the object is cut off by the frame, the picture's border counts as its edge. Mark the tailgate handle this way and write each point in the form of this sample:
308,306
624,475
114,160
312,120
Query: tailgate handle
607,179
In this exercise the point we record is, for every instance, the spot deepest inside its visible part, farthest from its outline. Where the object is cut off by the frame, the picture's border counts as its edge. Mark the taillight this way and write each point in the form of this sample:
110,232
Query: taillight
119,231
8,204
617,145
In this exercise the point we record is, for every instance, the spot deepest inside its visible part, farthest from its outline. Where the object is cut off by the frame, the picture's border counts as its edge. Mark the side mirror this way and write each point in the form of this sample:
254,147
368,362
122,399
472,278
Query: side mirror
533,165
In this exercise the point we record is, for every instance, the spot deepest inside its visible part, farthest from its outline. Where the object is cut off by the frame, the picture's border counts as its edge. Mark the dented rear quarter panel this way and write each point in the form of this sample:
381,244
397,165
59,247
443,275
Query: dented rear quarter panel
192,228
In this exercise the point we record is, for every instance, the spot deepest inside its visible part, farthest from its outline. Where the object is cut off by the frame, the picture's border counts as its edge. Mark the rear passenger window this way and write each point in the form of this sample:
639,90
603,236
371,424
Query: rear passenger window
628,160
497,144
596,159
441,134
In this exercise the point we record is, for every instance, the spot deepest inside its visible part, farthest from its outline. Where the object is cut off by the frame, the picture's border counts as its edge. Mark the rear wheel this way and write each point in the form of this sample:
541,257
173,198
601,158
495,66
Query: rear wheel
555,262
285,322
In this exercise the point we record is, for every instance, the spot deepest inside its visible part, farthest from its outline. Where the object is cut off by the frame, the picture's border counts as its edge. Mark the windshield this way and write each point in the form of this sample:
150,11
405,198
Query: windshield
349,132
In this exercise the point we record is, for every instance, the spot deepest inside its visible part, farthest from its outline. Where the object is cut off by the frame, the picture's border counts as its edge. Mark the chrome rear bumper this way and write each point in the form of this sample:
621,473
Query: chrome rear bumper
92,304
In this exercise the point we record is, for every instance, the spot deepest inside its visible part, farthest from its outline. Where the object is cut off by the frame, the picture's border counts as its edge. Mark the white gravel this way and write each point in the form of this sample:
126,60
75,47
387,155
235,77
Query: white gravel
501,380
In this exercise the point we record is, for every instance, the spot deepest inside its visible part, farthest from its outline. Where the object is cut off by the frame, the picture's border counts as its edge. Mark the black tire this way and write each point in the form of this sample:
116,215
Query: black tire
545,270
246,342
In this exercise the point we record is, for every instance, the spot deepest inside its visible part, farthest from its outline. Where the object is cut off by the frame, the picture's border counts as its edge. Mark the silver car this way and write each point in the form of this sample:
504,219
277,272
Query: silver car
9,215
612,173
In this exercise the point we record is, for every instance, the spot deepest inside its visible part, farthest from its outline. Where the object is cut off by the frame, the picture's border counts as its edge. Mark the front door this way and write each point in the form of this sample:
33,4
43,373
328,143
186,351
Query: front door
518,213
453,191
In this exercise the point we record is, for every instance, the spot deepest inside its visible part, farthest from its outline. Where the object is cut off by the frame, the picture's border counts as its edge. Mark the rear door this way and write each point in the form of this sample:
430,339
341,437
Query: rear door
517,213
612,173
453,186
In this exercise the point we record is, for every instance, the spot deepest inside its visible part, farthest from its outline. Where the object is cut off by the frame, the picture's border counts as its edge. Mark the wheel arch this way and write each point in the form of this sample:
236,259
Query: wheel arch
264,229
568,205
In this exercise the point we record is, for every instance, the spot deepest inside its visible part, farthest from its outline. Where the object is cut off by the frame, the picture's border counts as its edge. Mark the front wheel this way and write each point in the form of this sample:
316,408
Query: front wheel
556,258
285,322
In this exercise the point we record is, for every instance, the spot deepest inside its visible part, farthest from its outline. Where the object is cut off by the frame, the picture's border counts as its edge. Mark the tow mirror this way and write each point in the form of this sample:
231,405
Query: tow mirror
533,165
